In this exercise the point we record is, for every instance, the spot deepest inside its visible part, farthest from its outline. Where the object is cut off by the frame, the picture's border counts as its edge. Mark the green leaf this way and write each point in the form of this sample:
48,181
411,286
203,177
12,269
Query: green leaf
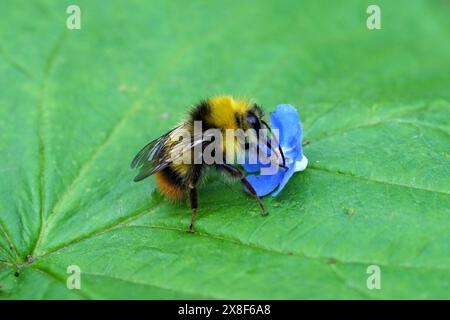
76,105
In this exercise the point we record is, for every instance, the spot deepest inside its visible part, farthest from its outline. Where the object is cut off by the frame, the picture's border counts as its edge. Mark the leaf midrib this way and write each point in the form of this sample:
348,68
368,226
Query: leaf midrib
49,66
384,182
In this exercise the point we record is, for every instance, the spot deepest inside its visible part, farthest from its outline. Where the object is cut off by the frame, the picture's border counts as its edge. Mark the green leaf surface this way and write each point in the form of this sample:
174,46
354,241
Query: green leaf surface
76,105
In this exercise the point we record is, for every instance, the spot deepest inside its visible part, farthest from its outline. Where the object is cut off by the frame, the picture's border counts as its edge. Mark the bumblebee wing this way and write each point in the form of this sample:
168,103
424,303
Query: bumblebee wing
183,148
174,146
151,158
149,152
150,168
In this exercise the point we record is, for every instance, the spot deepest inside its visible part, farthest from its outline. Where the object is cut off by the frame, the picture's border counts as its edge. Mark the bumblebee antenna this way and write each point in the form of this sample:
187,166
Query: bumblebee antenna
279,146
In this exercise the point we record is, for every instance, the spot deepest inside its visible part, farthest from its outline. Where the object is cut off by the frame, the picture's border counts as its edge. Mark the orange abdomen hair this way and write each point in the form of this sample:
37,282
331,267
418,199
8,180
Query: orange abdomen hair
168,185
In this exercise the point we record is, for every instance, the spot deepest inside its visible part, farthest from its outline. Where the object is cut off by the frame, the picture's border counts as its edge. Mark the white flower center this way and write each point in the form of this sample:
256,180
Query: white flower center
301,165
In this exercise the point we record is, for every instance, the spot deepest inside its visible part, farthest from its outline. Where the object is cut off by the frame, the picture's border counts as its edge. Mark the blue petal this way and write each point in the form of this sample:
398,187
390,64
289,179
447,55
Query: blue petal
255,167
265,184
252,167
296,153
286,120
284,180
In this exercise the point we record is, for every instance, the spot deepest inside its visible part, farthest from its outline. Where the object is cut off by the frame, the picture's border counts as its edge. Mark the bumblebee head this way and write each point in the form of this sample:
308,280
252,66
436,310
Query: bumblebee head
225,112
253,117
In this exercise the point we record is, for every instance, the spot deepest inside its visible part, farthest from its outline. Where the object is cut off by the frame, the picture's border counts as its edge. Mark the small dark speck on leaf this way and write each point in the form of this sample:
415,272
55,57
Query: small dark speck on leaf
350,211
332,260
305,142
16,274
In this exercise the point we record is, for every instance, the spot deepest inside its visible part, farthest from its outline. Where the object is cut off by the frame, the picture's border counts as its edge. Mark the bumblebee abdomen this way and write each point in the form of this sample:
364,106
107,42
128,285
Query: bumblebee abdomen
170,183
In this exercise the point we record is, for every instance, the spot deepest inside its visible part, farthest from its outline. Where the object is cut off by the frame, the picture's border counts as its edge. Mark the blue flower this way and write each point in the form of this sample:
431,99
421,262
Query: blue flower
286,120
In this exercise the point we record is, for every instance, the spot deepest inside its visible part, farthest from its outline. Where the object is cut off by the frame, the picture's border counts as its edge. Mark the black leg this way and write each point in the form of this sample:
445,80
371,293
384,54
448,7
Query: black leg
252,191
194,177
193,198
237,174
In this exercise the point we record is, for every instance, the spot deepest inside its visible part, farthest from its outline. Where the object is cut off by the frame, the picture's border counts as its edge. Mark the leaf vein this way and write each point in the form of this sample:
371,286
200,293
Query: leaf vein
348,174
41,133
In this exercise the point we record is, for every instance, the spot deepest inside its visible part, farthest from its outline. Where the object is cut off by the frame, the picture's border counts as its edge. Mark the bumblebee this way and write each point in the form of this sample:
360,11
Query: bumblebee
177,179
